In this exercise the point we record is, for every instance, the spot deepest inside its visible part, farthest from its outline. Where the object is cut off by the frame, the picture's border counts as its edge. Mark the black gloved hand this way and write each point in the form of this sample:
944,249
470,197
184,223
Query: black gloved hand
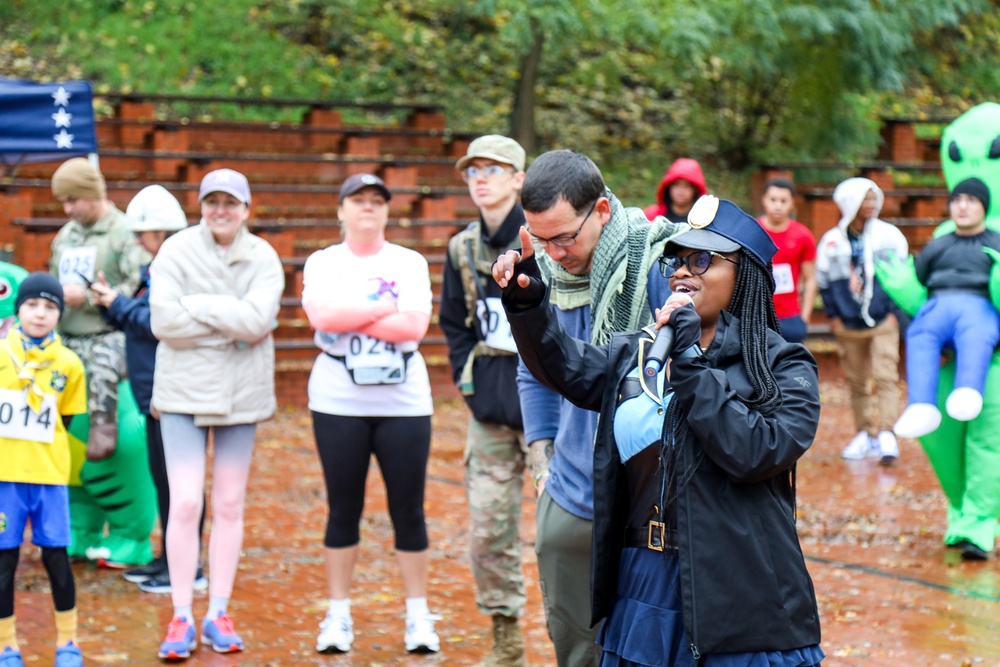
517,298
687,329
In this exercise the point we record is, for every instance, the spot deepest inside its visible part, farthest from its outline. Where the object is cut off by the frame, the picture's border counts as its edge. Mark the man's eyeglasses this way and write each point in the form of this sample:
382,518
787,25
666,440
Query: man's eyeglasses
492,171
697,263
563,240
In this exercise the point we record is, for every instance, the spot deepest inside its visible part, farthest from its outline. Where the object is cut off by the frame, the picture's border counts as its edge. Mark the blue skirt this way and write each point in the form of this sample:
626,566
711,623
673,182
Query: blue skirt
646,625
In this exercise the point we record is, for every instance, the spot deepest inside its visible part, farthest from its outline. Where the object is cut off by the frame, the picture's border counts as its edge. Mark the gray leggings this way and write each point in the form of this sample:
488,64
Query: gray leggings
184,449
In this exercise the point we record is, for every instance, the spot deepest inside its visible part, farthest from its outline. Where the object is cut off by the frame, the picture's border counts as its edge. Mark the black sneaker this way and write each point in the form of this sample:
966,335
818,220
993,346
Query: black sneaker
161,584
971,552
152,569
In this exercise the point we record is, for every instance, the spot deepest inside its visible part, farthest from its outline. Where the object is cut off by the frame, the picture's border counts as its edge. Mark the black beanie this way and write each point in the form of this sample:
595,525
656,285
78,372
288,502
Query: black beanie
975,188
40,285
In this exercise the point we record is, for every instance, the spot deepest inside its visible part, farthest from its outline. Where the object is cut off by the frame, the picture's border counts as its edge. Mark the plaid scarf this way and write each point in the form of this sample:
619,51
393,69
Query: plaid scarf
615,288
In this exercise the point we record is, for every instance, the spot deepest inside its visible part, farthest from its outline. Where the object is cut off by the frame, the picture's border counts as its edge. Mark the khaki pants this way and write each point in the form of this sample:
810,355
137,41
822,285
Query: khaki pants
870,360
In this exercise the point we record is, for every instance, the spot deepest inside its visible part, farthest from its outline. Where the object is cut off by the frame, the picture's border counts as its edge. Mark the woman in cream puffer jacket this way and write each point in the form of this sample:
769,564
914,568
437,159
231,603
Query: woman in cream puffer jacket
207,312
215,290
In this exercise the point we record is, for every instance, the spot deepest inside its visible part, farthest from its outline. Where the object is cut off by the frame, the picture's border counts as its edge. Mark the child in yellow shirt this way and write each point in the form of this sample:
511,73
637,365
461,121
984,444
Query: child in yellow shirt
41,386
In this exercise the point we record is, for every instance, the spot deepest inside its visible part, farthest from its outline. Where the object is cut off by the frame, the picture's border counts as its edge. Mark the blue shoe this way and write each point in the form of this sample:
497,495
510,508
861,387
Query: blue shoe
220,634
180,640
69,655
11,658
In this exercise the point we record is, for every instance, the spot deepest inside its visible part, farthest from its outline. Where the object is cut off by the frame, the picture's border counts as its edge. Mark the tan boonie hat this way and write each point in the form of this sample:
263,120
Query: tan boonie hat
494,147
78,178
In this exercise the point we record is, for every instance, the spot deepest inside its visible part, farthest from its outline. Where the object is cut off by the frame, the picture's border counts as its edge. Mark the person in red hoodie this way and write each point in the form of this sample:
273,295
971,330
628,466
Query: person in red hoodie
679,190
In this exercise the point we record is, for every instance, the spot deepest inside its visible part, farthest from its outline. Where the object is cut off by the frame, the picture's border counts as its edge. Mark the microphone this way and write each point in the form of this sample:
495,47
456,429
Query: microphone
663,342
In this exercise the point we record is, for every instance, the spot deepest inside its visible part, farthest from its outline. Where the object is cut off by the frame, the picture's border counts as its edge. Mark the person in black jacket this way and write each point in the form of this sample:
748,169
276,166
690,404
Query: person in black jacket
696,557
153,215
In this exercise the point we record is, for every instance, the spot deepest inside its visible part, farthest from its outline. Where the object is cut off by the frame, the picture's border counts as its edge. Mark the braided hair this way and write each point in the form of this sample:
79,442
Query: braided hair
753,304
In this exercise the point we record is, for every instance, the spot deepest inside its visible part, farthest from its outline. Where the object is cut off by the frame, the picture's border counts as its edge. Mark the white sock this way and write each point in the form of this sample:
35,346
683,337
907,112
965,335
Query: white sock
340,607
215,606
183,612
416,607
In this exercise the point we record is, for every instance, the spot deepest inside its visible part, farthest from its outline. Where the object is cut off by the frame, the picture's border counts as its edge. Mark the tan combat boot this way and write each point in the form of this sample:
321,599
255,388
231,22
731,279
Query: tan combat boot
508,646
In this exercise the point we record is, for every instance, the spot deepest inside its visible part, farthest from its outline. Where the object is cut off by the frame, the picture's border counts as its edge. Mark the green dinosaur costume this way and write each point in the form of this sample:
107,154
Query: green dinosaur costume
11,276
117,492
965,455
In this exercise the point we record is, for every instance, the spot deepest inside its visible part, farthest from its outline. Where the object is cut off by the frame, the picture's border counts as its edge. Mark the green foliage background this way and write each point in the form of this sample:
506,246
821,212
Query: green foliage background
632,83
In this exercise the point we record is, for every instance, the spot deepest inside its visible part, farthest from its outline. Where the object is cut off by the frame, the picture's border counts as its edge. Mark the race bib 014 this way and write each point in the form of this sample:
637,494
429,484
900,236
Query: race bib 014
19,422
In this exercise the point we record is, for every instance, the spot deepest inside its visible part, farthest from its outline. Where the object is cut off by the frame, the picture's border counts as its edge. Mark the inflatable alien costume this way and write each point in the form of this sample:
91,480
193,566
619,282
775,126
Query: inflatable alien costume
965,455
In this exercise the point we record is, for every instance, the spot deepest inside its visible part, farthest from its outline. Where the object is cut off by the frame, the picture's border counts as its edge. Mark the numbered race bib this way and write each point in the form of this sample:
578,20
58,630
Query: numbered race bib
494,324
783,283
18,421
77,265
373,361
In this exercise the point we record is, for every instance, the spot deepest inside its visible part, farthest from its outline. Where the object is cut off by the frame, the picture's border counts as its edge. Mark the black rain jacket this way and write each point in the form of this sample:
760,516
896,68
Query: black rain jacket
744,583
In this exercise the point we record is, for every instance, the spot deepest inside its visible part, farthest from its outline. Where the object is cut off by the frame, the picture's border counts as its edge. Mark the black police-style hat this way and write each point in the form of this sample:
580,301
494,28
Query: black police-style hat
722,226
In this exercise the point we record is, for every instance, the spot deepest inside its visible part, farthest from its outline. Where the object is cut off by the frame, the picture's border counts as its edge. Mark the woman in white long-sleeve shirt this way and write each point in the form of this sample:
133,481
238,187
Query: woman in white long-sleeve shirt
215,290
370,303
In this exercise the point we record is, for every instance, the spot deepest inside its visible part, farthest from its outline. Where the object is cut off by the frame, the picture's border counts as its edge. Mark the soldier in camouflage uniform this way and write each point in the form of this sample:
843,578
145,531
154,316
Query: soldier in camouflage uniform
95,240
484,366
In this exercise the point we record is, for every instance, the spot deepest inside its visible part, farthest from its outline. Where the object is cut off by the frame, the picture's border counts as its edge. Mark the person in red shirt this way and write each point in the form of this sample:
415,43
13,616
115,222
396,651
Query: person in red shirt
794,263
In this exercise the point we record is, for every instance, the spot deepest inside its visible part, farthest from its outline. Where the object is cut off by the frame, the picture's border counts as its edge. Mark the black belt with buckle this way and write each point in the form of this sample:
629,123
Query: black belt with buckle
343,360
654,535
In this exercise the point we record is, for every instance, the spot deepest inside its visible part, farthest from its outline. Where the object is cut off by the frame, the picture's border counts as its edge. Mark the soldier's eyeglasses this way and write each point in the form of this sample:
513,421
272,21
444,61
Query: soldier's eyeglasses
492,171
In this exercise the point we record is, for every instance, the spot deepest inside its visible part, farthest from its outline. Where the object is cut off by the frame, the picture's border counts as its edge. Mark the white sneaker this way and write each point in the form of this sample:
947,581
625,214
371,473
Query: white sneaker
888,448
861,447
964,404
336,634
917,420
420,636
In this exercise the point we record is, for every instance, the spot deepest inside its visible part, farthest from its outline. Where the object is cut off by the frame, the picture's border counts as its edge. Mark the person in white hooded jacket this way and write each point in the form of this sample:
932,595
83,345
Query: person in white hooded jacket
215,290
861,314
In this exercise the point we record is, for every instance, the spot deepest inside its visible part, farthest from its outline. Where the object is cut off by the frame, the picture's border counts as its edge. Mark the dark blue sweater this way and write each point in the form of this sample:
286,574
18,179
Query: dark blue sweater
131,315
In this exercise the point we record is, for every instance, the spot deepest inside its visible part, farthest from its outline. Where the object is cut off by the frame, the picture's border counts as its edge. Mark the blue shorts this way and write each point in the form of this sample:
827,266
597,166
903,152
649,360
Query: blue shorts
47,505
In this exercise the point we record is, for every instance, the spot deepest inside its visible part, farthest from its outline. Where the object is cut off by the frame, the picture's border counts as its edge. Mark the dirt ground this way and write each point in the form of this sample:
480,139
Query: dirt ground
889,593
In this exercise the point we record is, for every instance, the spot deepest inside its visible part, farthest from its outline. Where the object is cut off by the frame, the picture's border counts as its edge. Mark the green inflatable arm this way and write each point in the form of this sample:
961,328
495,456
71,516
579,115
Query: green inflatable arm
899,280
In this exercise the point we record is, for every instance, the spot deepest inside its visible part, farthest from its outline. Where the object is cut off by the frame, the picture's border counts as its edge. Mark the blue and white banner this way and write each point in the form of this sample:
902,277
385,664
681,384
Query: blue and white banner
40,122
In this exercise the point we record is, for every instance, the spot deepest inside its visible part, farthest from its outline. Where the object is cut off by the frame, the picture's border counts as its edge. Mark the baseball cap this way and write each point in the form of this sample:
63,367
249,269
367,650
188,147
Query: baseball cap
228,181
494,147
360,181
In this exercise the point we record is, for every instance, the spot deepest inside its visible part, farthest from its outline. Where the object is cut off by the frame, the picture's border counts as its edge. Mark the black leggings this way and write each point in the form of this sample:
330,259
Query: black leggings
401,446
158,469
56,562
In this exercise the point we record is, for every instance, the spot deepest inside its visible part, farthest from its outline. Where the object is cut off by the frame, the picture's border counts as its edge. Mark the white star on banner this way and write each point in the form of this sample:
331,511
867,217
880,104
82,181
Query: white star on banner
62,118
61,97
63,139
